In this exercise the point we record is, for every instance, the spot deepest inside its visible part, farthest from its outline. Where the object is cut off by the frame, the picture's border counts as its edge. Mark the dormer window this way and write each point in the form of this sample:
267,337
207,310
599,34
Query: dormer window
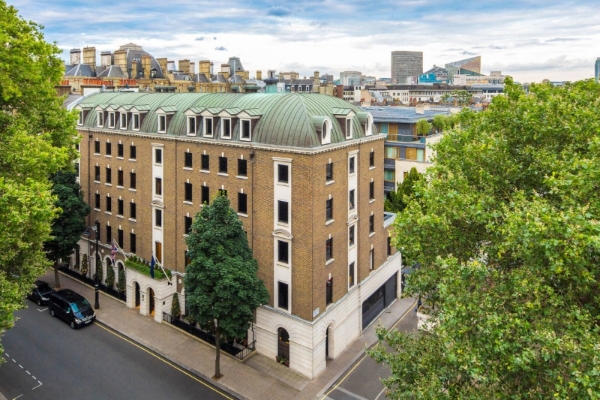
208,126
246,130
191,126
100,119
226,128
322,126
348,128
111,120
123,120
164,115
80,119
162,123
135,122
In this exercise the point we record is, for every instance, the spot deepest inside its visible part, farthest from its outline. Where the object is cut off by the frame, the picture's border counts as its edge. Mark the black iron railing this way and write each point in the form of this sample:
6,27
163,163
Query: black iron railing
110,291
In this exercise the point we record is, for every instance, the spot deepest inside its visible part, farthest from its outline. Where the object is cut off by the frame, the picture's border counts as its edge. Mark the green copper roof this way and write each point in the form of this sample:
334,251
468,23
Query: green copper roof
280,119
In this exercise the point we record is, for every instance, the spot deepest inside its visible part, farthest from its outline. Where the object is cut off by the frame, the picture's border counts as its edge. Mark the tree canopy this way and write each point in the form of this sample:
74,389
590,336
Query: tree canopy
37,139
505,228
396,201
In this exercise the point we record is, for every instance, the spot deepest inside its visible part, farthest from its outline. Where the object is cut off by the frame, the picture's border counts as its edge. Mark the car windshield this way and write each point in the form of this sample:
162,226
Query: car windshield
79,305
45,288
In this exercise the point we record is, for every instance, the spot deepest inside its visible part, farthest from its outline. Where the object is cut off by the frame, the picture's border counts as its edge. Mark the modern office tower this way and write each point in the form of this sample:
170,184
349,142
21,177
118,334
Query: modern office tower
405,64
468,66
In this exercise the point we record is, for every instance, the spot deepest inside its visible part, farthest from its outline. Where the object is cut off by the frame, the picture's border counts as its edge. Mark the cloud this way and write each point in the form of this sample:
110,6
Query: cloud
279,11
201,38
468,53
563,40
220,48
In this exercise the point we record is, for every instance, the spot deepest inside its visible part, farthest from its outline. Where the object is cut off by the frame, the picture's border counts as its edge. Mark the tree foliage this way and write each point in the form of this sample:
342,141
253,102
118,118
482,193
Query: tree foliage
506,230
397,199
221,282
423,127
37,139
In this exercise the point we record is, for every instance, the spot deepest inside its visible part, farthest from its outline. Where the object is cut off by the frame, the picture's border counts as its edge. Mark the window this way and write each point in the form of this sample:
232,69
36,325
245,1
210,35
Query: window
351,236
187,162
120,150
132,242
120,207
136,122
123,120
246,130
100,119
351,199
372,158
132,152
191,126
389,175
329,209
329,172
205,195
282,214
132,182
351,275
329,292
158,156
243,203
158,251
371,190
132,211
97,173
162,123
108,175
242,167
351,165
108,204
205,162
97,147
223,192
329,249
80,119
188,192
187,224
119,237
389,246
158,218
282,299
158,186
372,259
108,234
282,173
282,251
97,200
120,177
208,126
348,128
108,148
111,119
226,128
223,165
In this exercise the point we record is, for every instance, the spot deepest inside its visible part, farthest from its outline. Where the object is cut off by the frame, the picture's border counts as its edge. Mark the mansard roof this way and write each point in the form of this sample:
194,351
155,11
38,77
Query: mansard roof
280,119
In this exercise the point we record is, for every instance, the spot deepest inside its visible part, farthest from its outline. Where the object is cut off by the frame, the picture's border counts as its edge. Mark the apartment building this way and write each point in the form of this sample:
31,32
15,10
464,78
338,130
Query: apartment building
304,172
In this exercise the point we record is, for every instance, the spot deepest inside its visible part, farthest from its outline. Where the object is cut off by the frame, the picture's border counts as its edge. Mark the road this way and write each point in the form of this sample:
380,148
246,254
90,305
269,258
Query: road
363,382
46,359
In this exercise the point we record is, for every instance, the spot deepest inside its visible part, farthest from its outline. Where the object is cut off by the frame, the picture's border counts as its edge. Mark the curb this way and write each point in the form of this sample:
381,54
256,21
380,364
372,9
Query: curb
320,394
91,287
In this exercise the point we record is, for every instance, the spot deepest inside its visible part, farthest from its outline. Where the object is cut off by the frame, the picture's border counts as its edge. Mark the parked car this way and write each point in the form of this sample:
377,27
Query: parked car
40,292
71,307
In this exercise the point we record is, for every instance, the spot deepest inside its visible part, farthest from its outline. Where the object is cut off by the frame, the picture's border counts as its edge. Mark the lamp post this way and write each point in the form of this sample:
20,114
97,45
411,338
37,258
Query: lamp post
96,296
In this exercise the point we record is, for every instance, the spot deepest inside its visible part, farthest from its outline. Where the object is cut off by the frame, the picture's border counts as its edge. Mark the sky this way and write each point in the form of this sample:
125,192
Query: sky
529,40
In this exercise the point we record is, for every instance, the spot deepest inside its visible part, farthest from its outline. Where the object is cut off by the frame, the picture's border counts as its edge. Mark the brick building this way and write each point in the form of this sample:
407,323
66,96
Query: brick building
303,171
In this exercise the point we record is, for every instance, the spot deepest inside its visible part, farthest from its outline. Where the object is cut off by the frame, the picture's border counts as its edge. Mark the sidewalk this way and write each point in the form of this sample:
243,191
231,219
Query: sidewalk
255,378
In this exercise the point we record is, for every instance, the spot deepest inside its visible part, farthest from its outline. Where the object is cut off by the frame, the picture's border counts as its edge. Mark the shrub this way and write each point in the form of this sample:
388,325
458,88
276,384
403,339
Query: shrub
135,262
122,282
110,276
175,309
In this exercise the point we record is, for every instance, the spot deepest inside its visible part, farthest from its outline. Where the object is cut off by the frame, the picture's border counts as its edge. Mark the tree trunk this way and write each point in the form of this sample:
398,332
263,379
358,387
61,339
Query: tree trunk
56,275
218,357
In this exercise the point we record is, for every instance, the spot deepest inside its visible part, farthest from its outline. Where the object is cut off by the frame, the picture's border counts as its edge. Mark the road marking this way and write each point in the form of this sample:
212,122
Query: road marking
382,390
21,366
33,376
7,355
40,384
165,361
28,373
349,393
43,309
18,396
14,361
364,355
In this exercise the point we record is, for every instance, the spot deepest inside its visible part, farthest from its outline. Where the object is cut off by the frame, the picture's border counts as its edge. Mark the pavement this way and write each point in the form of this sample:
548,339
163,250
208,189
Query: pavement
257,377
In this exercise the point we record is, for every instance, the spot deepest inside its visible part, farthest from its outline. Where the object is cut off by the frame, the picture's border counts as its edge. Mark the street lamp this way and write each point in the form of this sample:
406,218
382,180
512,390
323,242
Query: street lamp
97,300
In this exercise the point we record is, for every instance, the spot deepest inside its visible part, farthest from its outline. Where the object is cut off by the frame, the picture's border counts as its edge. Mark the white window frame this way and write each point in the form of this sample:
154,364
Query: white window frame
111,119
136,121
248,138
192,122
225,135
100,119
349,128
160,116
204,127
80,119
123,120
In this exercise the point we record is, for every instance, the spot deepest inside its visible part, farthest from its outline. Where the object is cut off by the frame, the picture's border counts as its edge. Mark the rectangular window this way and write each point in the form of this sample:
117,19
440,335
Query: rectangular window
187,225
111,119
246,127
108,204
348,128
389,175
282,299
158,186
329,172
226,128
283,214
205,195
351,275
123,120
205,162
100,119
372,259
97,173
351,165
389,246
158,218
371,190
329,292
372,224
351,204
191,126
132,211
132,242
158,251
282,173
208,126
242,167
120,150
108,149
392,152
108,175
243,203
188,192
351,236
372,158
120,207
283,251
119,238
162,123
223,192
132,181
329,249
108,234
223,165
132,152
97,147
158,156
329,209
120,178
136,122
187,162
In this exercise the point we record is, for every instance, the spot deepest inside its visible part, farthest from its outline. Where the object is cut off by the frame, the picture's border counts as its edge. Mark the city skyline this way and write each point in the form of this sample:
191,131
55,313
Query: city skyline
529,40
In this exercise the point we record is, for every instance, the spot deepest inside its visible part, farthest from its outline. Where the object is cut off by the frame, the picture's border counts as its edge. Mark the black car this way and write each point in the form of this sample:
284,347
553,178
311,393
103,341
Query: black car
71,307
40,292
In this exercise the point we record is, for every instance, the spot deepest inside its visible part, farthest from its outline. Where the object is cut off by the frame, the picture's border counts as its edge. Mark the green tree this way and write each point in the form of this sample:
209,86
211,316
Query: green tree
221,286
110,276
37,139
441,122
70,223
121,285
423,127
398,198
175,308
506,230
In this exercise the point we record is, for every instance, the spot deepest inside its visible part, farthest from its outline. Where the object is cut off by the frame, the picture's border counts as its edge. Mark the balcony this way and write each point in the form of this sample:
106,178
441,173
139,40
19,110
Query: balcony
389,163
388,218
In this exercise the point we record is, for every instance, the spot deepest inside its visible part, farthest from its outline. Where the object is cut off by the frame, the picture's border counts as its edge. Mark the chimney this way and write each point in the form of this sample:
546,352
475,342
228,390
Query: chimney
204,68
146,63
420,109
316,82
170,66
75,56
259,75
271,74
192,67
225,70
134,70
89,56
105,59
120,59
184,66
163,65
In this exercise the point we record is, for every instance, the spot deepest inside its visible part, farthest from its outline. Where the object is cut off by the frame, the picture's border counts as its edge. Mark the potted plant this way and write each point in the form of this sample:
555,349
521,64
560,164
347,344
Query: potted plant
175,308
84,265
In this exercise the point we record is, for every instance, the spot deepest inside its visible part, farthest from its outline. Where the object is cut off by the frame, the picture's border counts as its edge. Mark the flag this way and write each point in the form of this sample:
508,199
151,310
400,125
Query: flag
152,264
113,251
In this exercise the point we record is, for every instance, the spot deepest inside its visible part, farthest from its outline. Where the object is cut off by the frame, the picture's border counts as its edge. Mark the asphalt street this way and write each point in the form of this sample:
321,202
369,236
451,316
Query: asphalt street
363,382
46,359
